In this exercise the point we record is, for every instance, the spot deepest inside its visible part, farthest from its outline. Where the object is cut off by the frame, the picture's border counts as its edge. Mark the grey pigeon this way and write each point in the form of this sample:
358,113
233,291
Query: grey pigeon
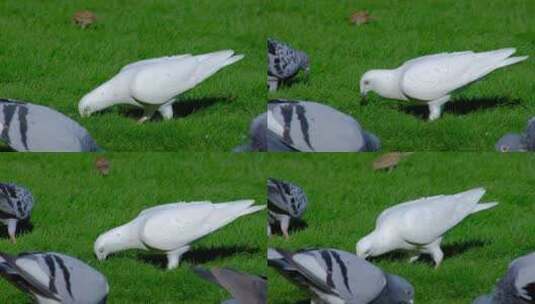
284,63
518,285
16,204
512,142
262,139
51,277
245,288
335,276
307,126
286,201
35,128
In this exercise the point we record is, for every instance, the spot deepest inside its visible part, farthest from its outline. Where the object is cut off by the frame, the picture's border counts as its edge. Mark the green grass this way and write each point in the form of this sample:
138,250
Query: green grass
346,196
47,60
340,53
75,204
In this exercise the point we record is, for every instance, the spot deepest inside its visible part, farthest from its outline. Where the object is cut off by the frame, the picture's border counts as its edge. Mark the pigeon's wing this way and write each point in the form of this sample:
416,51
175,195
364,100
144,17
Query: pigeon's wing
30,127
171,206
524,281
171,228
243,287
15,201
145,62
286,197
424,220
160,82
283,61
341,273
313,127
436,76
24,280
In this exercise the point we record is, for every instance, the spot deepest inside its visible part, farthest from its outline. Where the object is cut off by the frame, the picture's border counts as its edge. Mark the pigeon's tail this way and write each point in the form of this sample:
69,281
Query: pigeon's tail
484,206
211,63
512,60
232,210
496,59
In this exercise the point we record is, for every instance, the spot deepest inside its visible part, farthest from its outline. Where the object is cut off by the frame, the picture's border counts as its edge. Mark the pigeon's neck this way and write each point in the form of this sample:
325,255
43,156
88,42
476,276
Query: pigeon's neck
385,241
115,91
387,84
385,297
124,237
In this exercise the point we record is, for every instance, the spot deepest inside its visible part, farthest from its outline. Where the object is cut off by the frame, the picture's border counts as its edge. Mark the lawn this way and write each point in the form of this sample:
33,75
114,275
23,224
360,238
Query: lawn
401,30
346,195
47,60
75,204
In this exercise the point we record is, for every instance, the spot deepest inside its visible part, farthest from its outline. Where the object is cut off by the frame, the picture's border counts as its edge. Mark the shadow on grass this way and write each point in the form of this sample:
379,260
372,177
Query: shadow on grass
462,106
6,148
23,227
199,255
450,250
181,108
296,225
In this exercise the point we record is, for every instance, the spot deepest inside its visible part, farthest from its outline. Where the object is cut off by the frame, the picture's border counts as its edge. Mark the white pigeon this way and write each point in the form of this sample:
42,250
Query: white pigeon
433,78
420,225
171,228
154,84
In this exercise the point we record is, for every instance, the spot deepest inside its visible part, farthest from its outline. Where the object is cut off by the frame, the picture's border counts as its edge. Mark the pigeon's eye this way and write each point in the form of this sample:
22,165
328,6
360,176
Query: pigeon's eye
366,82
101,250
504,148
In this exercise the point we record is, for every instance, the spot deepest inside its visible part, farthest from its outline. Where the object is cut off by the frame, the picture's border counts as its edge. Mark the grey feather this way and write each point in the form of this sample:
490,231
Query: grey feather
284,62
261,139
35,128
54,277
15,202
313,127
245,288
512,142
286,197
517,286
331,273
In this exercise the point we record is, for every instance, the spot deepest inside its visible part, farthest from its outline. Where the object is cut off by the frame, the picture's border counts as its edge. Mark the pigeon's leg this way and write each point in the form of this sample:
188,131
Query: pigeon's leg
285,224
435,107
173,257
167,110
273,83
12,229
436,253
414,258
147,113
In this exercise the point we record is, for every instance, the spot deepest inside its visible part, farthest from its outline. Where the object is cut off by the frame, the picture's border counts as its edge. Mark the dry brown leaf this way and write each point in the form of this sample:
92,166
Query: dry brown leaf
102,165
389,160
360,17
84,18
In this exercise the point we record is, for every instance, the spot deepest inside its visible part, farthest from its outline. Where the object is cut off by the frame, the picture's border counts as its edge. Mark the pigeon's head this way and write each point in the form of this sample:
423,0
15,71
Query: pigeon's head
511,143
87,105
105,245
98,99
365,247
400,290
305,62
382,82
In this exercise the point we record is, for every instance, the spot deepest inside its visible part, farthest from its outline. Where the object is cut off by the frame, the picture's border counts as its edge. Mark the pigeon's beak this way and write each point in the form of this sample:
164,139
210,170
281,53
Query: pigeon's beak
363,98
101,257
